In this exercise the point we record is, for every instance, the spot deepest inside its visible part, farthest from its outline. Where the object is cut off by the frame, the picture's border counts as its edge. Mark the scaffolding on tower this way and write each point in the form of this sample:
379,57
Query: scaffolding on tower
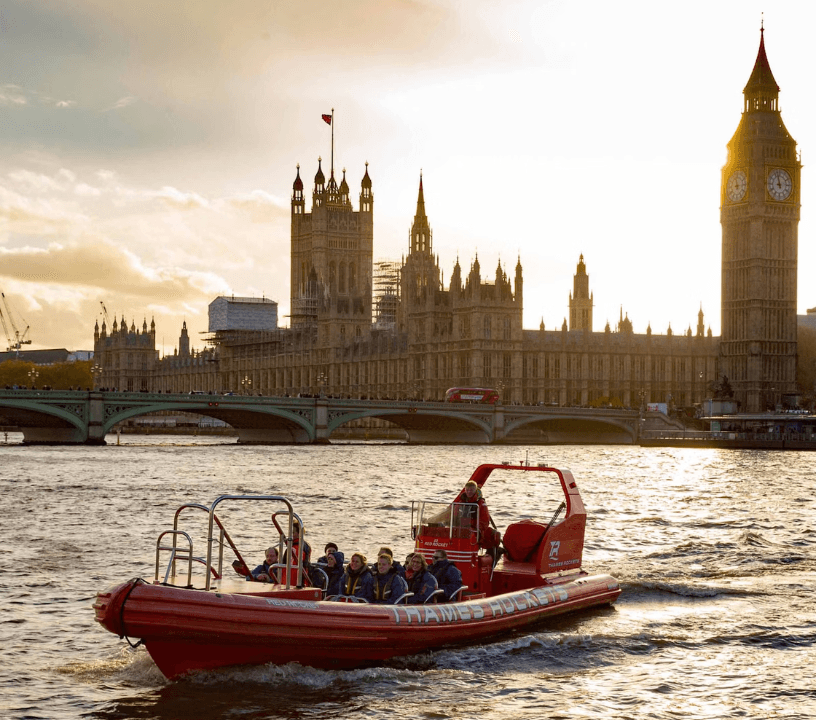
386,294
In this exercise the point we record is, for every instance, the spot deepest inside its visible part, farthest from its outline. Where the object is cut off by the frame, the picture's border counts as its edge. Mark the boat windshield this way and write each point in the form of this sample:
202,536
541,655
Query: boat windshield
440,518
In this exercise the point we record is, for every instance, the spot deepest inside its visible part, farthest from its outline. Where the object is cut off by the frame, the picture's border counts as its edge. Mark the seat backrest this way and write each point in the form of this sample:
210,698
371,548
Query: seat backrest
522,538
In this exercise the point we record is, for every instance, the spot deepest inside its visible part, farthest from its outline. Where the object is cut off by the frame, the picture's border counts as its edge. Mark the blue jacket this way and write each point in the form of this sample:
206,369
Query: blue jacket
447,576
264,567
422,584
334,574
359,584
389,587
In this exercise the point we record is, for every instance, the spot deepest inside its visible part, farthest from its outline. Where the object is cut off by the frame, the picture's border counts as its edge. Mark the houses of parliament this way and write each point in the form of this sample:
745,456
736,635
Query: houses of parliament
392,330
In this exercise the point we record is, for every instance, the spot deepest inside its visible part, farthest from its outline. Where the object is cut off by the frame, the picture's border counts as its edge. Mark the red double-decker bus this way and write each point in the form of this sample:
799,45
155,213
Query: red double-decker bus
487,396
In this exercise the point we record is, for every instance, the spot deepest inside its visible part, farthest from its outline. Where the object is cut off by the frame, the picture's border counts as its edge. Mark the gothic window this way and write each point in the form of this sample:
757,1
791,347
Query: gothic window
352,277
506,365
333,276
487,328
487,366
506,330
342,279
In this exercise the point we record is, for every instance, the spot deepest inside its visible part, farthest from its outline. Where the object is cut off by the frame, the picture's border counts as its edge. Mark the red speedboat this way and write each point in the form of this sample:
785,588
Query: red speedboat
230,621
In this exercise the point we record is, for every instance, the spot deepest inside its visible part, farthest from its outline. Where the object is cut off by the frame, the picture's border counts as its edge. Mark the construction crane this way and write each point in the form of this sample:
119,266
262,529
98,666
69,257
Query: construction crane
15,338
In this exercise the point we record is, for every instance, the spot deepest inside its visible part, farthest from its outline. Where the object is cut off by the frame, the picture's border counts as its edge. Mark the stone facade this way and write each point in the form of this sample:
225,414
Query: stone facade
468,334
125,359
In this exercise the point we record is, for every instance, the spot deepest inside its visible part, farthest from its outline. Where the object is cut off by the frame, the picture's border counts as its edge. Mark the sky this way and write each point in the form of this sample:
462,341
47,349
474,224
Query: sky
148,149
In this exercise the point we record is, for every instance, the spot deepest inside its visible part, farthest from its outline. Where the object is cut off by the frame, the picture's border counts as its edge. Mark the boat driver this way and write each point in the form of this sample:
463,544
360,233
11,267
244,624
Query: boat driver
473,507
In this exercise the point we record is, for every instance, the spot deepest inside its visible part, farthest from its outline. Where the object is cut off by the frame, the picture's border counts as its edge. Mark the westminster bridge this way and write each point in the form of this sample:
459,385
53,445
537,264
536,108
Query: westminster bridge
86,417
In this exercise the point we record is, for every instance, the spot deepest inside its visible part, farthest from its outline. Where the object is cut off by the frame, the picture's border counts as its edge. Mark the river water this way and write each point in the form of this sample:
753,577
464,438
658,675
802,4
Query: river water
715,551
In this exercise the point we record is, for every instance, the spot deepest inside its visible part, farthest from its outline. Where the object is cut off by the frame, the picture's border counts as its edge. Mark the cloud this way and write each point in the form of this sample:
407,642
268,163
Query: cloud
180,200
101,266
122,103
260,206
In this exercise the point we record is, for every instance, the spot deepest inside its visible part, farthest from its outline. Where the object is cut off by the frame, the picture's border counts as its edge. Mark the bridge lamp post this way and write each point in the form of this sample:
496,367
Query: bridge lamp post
33,375
247,384
321,382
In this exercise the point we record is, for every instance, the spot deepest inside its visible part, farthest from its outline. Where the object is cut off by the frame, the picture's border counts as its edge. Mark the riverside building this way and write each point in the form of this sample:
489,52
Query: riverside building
393,330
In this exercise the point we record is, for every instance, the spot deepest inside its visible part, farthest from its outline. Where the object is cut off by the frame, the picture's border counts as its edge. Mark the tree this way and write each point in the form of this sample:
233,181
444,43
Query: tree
59,376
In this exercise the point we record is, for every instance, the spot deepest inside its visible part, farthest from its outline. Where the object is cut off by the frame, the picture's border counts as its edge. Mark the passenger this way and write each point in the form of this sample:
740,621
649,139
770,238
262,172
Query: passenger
422,583
330,548
328,565
334,571
489,539
408,571
389,586
265,572
298,548
357,580
448,576
395,563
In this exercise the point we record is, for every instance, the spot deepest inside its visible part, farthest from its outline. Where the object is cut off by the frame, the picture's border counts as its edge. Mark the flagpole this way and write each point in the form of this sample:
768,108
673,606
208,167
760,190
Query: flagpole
332,153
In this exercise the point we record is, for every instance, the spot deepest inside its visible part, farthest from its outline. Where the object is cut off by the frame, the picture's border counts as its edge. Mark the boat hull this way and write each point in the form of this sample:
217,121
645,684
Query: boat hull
186,630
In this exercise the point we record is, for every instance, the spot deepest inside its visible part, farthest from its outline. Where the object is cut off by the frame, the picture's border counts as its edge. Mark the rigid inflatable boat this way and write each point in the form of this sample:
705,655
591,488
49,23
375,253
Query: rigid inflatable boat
228,621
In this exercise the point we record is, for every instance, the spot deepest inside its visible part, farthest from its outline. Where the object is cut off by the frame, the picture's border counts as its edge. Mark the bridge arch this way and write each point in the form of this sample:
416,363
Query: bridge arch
46,419
255,423
423,425
568,427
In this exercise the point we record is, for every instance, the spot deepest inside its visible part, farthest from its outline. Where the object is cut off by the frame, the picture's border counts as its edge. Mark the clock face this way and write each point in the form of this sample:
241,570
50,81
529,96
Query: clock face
736,186
779,184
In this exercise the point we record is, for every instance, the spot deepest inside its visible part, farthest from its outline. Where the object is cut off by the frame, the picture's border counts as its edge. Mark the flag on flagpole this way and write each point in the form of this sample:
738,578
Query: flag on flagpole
327,119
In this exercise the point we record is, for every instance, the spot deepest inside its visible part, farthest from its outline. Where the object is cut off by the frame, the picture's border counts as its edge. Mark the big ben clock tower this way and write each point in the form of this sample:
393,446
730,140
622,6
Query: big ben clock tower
759,213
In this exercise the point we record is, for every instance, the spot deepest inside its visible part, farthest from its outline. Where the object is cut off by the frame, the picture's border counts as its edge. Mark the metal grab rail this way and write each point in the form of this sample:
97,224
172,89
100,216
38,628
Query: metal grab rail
268,498
224,535
289,540
174,552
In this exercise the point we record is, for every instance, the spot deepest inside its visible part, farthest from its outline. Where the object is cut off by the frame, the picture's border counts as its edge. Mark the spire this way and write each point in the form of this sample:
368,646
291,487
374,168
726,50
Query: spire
421,235
298,184
420,211
761,92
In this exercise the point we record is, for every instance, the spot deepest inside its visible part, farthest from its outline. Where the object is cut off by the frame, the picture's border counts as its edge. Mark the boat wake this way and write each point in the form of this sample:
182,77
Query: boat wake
133,668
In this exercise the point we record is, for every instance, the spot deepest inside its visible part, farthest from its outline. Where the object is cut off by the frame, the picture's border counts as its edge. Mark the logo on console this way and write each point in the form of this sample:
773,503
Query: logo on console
554,545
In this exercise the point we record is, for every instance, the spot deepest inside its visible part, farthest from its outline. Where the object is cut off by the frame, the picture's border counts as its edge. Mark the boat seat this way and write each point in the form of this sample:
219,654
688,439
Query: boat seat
521,538
433,597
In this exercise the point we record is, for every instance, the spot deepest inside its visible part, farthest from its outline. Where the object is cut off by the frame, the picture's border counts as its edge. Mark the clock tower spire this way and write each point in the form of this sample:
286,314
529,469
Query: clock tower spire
759,213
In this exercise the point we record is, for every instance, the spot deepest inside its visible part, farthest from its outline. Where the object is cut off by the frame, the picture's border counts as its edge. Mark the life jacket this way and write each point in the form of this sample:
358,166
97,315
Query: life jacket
295,555
353,580
382,592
